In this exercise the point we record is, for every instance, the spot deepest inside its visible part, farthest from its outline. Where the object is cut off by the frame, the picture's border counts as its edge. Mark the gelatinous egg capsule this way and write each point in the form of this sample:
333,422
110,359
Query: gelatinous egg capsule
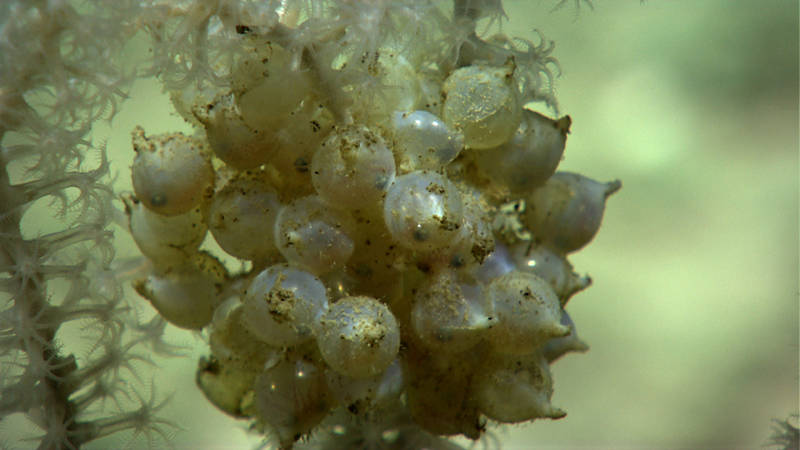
171,173
449,315
242,216
482,102
308,233
185,296
530,157
364,395
423,141
165,240
527,310
358,337
232,343
352,168
566,212
393,85
269,75
282,304
299,139
225,385
231,139
552,267
424,211
184,300
517,390
292,398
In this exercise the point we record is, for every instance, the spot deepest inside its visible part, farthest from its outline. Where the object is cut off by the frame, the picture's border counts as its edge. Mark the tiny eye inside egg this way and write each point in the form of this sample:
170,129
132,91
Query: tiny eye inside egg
423,210
171,173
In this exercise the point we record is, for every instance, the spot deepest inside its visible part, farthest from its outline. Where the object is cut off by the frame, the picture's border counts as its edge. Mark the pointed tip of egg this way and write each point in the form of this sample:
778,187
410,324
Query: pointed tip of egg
612,187
555,413
555,330
563,125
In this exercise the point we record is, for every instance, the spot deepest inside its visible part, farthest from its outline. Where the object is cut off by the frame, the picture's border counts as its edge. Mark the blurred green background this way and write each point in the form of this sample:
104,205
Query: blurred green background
693,316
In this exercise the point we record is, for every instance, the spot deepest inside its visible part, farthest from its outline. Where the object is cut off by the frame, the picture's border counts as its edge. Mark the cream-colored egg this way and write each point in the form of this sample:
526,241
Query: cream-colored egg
530,157
282,304
292,398
358,337
165,240
424,141
449,315
231,139
310,234
567,211
424,211
482,102
172,173
242,216
352,168
519,389
527,310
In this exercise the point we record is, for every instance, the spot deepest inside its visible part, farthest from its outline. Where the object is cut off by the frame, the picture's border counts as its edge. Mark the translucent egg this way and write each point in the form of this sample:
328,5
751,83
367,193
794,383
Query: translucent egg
185,298
172,173
299,139
423,141
358,337
392,84
528,313
566,212
449,315
269,75
282,304
165,240
362,395
550,266
242,217
232,140
482,102
225,385
530,157
308,233
232,343
352,168
401,86
517,391
423,211
292,398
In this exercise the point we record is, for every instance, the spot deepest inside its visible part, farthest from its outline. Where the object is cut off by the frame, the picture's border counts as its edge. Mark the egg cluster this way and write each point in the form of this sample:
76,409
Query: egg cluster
405,231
